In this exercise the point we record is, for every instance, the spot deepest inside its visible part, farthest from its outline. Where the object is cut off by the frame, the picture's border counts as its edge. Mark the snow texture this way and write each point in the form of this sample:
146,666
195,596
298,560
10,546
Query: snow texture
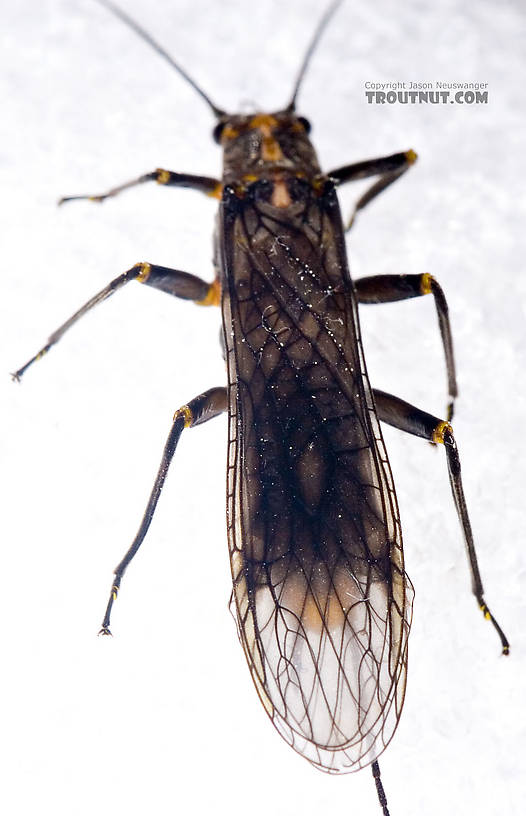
163,718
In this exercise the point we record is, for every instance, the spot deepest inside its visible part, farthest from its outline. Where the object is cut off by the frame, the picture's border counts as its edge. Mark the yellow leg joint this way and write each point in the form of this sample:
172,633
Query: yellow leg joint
485,611
318,184
144,274
186,413
213,296
411,157
163,176
426,284
438,433
217,192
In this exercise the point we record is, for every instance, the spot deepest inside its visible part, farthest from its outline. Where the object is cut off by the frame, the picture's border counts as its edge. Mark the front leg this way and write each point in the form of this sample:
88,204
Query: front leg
389,168
204,184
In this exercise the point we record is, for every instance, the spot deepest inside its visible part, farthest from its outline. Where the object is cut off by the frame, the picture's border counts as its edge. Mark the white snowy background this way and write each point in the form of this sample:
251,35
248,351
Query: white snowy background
163,718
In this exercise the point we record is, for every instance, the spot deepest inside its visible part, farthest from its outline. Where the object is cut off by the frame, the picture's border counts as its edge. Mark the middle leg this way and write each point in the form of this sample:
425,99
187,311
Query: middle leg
173,281
390,288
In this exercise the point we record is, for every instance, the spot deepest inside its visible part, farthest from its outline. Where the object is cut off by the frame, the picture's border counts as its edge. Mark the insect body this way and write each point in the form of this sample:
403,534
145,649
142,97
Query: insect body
319,582
322,599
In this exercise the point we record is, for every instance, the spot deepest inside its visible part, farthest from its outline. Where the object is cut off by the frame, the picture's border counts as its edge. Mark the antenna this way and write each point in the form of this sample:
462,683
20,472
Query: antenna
143,34
320,28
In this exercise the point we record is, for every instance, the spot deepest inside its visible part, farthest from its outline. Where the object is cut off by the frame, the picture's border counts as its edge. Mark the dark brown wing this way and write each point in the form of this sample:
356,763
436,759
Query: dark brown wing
322,599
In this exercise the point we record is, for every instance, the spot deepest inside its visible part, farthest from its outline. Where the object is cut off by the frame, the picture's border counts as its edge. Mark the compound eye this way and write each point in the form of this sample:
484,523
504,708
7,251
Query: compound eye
305,123
217,132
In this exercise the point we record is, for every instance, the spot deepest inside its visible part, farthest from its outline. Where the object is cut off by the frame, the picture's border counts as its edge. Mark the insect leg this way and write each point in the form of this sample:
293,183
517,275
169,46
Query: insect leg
200,409
389,288
407,418
380,788
204,184
389,168
173,281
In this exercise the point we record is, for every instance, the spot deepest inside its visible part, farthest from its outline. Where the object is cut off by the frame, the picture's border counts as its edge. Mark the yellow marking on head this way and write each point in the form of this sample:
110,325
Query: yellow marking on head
213,296
438,433
280,194
217,192
411,156
186,413
263,121
425,284
249,178
229,132
144,274
163,176
297,127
